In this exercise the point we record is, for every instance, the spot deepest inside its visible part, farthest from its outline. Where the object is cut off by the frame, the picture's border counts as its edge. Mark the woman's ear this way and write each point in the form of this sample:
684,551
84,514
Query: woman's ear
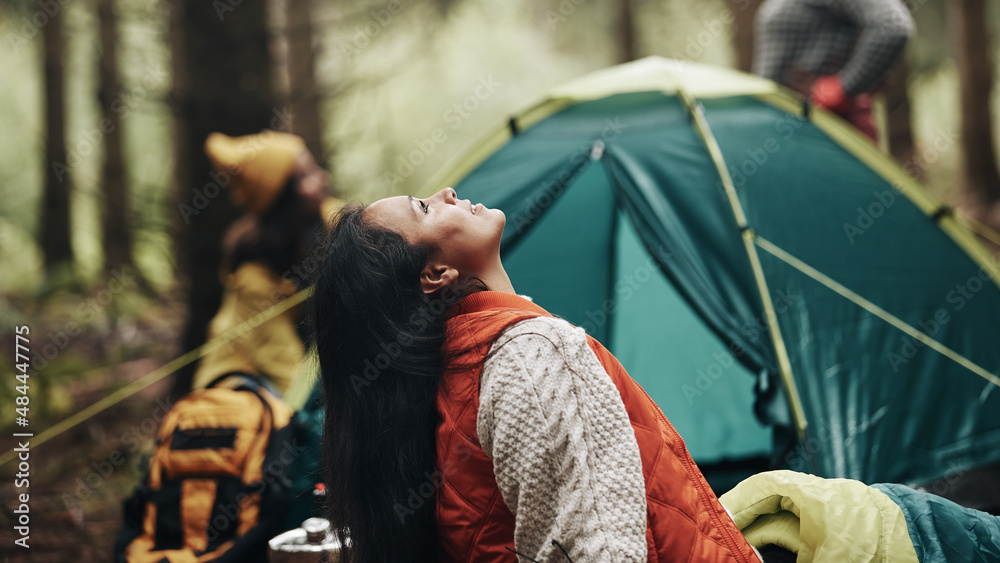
435,277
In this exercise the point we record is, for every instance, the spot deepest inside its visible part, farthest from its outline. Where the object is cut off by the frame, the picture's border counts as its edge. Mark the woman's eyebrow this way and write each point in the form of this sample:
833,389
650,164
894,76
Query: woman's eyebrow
412,210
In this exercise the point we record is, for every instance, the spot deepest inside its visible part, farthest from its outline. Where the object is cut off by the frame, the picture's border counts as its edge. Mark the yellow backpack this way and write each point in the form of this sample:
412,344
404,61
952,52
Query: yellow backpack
218,479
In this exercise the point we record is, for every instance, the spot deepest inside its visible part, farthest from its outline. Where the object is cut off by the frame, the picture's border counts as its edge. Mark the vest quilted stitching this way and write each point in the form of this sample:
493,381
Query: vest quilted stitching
685,521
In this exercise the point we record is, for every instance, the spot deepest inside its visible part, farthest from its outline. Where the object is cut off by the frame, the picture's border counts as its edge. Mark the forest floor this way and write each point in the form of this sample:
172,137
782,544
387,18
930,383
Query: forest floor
78,479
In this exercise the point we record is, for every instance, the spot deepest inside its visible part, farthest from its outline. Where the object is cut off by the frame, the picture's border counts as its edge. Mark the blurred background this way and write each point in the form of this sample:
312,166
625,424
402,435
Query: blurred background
110,220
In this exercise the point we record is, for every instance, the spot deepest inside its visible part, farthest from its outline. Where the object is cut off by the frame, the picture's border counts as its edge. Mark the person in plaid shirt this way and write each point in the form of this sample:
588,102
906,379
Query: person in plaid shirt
836,52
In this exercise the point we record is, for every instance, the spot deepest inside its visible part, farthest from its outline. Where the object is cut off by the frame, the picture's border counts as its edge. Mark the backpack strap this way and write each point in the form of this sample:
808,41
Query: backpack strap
133,511
248,381
266,431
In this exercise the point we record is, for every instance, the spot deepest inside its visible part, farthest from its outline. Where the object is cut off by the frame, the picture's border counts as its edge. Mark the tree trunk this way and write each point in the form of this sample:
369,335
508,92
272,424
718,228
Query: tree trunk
971,44
626,32
744,13
223,84
55,224
115,224
175,100
305,98
898,129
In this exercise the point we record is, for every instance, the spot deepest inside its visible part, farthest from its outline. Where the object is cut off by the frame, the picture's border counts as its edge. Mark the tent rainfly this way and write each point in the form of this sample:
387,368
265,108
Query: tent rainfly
750,261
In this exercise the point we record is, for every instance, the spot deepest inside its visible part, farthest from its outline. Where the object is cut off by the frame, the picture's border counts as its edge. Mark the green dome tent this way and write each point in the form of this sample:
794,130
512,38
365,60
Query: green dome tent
735,254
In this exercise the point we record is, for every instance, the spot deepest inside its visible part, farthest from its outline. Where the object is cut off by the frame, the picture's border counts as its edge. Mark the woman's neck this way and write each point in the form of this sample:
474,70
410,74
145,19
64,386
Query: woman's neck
496,279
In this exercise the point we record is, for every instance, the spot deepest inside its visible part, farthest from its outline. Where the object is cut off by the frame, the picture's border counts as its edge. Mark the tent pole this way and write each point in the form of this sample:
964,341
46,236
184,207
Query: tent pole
924,338
696,110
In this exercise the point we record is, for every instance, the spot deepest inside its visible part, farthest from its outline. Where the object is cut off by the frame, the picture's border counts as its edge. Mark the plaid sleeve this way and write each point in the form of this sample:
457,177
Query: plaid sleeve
781,29
873,31
885,25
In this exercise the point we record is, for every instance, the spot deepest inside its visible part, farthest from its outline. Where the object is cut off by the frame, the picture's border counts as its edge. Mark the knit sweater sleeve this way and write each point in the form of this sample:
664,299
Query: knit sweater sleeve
564,453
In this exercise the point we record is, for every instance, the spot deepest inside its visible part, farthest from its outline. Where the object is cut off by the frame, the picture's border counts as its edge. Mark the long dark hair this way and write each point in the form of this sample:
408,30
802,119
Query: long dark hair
283,235
380,341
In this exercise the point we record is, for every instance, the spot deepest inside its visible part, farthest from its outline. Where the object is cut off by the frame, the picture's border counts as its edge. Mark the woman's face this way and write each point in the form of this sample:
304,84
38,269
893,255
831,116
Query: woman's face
463,236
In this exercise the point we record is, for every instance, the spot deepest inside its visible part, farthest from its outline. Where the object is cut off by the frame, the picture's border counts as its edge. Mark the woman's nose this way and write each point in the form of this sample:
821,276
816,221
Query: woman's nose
449,195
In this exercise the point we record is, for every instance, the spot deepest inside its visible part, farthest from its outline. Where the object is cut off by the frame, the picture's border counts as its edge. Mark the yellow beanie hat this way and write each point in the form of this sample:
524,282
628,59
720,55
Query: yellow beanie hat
258,165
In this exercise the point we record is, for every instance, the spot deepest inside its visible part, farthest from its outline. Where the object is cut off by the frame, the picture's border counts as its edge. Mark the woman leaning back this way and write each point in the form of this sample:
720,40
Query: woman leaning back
268,254
465,423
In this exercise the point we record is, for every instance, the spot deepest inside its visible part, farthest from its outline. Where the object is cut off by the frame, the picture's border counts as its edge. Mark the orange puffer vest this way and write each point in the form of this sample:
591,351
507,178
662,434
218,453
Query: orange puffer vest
684,519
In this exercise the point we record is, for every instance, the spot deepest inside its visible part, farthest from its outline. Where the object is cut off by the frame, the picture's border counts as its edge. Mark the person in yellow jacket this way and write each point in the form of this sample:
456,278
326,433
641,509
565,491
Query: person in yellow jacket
268,253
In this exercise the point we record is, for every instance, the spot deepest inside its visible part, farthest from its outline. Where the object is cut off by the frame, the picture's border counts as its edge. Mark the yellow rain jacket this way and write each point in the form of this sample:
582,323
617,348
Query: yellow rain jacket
272,349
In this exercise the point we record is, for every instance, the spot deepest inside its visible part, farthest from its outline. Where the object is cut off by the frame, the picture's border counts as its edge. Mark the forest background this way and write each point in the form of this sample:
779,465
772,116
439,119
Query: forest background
110,227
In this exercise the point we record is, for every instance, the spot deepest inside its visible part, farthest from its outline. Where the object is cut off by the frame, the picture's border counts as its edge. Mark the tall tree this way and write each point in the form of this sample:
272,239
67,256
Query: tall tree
971,44
305,96
626,32
897,109
223,83
55,225
744,12
115,224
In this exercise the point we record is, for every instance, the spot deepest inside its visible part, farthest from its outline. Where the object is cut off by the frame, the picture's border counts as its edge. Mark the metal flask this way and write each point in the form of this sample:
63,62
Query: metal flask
314,542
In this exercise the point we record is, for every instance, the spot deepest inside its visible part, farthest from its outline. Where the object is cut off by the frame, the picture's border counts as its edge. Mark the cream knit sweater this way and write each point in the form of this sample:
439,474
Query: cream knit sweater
564,453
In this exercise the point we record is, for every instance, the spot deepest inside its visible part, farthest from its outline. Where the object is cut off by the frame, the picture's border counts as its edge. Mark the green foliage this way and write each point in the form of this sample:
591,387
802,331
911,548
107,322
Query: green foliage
80,341
49,396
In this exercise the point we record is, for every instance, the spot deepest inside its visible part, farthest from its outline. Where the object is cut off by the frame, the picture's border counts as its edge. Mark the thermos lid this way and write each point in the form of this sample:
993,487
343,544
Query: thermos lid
315,536
316,530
